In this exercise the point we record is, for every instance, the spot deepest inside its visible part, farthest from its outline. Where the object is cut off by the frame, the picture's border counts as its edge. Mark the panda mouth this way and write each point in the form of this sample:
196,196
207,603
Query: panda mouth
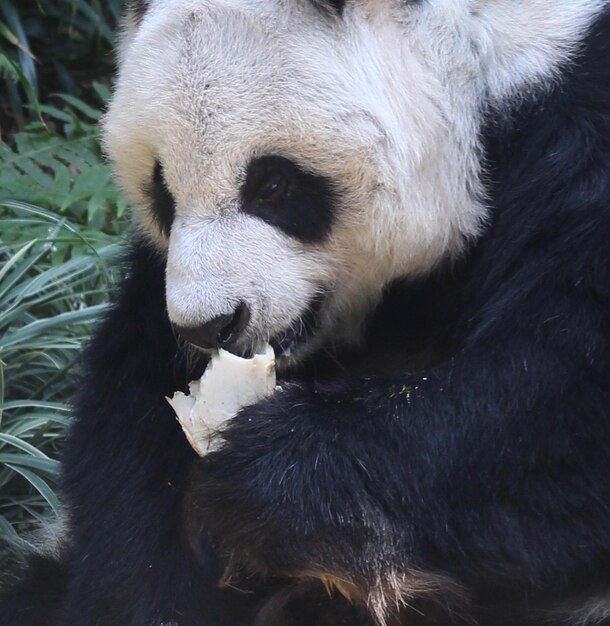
300,330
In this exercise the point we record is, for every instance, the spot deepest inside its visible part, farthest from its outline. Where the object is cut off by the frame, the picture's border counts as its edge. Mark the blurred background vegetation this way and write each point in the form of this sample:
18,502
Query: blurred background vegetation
61,221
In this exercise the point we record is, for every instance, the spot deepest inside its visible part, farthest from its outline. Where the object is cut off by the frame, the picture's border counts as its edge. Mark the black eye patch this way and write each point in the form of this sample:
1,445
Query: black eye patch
162,203
281,193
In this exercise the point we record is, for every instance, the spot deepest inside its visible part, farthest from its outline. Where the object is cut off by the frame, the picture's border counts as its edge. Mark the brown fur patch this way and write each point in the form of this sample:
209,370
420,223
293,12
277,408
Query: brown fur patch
390,596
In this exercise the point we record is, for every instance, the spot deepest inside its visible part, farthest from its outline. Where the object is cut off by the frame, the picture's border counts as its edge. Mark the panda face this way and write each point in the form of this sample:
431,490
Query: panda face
292,157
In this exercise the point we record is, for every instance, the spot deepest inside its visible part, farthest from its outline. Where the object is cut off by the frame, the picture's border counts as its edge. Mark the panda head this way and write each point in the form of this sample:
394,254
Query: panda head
292,157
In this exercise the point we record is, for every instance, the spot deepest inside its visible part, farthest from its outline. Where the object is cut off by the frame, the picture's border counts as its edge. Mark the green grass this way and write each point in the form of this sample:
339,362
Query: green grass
61,220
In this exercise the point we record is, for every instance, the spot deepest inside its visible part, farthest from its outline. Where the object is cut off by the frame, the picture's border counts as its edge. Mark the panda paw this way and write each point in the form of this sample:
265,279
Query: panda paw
283,495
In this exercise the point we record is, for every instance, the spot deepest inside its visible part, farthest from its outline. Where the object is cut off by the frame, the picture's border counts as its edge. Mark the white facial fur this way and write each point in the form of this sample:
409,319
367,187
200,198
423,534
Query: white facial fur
384,100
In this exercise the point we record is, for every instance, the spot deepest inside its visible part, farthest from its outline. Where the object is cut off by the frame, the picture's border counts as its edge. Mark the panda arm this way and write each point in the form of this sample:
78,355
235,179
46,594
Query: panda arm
491,468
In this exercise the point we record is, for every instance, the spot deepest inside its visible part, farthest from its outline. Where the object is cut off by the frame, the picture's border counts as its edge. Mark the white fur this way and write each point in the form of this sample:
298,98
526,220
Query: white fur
53,538
593,611
386,101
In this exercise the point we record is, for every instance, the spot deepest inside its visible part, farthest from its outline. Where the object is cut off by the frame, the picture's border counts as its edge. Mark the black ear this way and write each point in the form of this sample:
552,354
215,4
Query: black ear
137,9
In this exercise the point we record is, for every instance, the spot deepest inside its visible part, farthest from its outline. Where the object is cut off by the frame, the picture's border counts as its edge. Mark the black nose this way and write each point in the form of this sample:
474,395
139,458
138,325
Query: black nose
220,332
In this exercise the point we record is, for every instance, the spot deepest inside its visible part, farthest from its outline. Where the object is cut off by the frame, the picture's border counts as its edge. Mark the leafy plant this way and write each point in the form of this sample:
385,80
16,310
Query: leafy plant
60,166
49,301
53,46
60,218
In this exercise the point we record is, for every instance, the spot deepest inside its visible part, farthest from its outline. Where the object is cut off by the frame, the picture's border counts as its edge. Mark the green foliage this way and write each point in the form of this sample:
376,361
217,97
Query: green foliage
63,169
60,220
54,281
49,46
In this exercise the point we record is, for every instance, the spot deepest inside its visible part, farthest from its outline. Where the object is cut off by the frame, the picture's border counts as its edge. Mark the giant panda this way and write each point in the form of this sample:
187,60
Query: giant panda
410,200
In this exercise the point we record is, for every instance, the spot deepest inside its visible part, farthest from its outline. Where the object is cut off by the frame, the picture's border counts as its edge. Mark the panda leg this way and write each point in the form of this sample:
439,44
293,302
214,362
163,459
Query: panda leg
36,599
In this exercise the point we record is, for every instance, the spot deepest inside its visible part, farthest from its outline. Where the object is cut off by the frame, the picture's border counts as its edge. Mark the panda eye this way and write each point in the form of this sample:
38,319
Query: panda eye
299,202
275,188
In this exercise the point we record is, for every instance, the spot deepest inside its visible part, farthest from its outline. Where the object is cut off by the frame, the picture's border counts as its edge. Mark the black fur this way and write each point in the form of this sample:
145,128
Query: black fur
282,194
162,202
474,487
334,7
36,598
138,9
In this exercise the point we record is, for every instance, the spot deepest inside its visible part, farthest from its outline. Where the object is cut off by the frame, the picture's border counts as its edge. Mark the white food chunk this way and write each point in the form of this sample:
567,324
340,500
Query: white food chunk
228,384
